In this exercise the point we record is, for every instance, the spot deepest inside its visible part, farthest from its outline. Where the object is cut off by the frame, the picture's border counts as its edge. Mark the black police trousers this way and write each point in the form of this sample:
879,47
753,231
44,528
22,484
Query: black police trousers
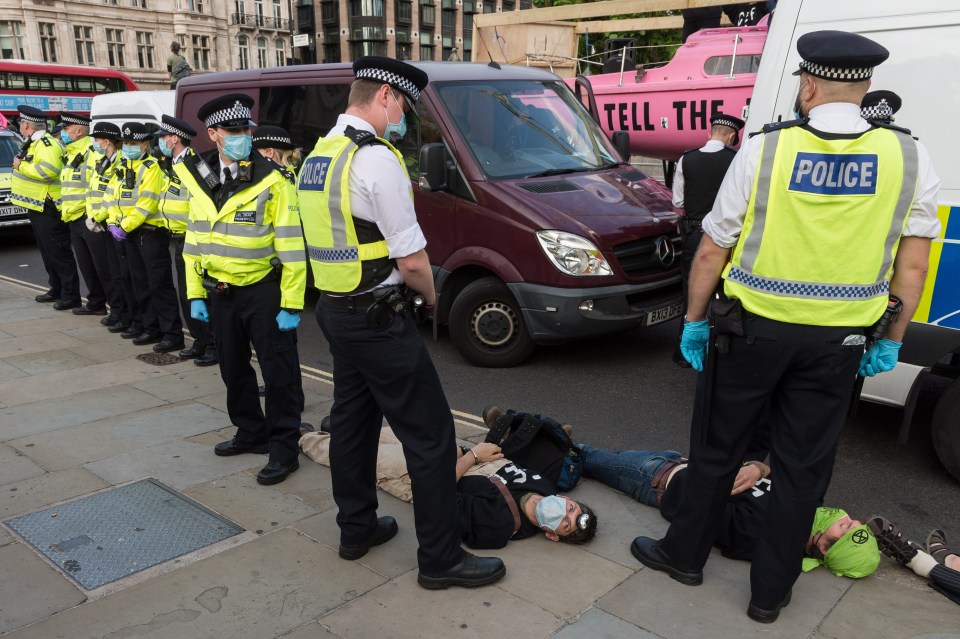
389,373
806,376
199,331
152,276
249,314
125,306
53,240
91,251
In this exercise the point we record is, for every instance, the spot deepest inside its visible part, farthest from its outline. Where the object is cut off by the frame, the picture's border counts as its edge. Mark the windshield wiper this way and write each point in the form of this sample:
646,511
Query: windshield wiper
611,165
560,171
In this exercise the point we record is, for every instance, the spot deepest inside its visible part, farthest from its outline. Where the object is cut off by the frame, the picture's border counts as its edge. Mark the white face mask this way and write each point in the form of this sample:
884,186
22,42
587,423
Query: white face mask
798,103
550,512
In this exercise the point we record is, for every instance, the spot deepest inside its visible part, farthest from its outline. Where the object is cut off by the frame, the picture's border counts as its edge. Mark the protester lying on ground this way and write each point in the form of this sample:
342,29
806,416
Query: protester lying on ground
497,500
940,564
656,478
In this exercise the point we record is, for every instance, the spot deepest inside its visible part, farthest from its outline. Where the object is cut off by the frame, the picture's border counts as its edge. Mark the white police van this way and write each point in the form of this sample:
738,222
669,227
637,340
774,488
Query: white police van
132,106
922,37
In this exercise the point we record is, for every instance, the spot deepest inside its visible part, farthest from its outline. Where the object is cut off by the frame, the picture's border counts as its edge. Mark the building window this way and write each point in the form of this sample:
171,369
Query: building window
426,45
11,40
448,20
329,12
258,9
48,41
428,14
281,52
201,52
331,45
262,53
277,17
404,11
144,49
193,5
115,47
366,8
241,8
84,39
244,54
142,4
403,43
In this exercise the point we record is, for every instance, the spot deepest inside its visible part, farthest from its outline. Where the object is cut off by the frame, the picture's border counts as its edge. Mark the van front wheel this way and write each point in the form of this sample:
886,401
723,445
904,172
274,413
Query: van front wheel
945,429
487,327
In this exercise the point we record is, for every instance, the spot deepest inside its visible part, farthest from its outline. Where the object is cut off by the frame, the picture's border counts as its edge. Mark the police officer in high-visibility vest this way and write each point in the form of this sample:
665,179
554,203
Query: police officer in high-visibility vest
245,259
173,138
819,221
365,248
35,187
89,243
276,144
695,184
103,159
135,218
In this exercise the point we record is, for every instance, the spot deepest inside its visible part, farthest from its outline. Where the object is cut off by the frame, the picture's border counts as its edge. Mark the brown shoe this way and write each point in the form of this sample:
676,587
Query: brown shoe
491,414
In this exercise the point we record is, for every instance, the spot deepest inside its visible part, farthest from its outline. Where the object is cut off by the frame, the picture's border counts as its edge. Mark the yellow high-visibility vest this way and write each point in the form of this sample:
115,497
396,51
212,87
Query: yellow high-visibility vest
37,177
134,194
74,180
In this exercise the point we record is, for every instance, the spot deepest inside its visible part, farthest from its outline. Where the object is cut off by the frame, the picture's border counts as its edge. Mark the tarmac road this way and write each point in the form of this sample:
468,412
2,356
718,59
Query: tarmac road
623,391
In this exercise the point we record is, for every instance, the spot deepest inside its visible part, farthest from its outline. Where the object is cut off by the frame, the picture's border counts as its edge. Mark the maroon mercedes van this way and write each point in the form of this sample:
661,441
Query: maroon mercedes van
537,230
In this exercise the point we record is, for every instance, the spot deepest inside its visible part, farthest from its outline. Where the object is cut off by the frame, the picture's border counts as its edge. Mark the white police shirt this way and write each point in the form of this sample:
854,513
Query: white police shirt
712,146
724,223
380,193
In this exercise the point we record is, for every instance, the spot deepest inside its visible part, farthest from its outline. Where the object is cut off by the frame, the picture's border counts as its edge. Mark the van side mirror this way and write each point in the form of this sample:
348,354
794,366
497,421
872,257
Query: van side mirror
621,142
433,167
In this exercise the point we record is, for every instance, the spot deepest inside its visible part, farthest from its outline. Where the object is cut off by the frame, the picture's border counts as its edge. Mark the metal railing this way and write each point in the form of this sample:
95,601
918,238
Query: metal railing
261,22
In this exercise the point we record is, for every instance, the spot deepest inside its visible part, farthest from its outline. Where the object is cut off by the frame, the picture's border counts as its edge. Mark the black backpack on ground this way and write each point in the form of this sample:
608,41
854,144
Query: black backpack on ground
540,444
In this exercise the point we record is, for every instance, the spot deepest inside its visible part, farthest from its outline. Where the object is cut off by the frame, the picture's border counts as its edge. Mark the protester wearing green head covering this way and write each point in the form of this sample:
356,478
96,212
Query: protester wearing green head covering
844,545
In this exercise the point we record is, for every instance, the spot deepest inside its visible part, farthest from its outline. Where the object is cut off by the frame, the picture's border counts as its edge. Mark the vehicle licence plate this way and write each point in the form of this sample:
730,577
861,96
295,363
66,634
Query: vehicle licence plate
663,314
10,210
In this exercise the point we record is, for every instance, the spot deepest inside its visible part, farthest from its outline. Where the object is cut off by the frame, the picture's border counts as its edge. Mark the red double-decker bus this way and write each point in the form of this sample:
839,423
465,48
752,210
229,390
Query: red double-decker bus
55,87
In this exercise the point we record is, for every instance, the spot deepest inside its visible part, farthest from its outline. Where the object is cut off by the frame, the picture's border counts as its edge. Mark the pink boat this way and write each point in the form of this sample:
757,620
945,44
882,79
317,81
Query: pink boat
666,110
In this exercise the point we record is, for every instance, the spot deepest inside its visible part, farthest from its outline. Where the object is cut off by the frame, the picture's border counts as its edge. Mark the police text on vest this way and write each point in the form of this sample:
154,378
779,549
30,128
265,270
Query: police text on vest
313,175
835,174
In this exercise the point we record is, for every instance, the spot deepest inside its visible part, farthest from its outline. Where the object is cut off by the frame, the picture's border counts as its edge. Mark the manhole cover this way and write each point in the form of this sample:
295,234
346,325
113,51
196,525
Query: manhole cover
159,359
99,539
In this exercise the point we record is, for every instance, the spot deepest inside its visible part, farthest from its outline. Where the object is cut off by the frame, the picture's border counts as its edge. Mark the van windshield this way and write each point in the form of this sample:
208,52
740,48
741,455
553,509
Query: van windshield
525,128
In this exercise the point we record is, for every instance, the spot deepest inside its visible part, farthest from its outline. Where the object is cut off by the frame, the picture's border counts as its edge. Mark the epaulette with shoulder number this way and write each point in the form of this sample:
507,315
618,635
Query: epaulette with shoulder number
46,141
886,125
361,137
287,173
779,126
148,163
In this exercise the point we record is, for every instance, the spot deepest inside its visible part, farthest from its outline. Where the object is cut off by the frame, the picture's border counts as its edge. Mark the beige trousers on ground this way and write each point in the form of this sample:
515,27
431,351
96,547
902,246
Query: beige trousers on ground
391,464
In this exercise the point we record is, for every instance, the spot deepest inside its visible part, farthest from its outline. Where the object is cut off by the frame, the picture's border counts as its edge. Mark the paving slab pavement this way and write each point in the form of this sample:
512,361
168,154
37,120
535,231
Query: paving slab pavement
79,414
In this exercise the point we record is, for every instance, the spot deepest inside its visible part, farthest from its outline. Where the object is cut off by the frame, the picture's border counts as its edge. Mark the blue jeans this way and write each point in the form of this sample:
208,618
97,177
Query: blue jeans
629,471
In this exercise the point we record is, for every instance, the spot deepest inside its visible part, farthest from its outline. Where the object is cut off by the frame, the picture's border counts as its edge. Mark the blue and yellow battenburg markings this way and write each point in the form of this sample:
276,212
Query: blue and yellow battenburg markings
940,302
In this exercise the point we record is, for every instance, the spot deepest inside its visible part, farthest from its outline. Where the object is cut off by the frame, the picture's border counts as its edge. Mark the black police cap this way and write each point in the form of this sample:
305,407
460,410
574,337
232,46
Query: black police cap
176,126
134,132
74,118
400,75
839,56
31,114
229,111
106,130
272,137
880,105
722,119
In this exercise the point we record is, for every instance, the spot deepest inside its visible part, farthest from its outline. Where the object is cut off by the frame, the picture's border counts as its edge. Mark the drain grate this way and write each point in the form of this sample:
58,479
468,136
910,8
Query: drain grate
159,359
104,537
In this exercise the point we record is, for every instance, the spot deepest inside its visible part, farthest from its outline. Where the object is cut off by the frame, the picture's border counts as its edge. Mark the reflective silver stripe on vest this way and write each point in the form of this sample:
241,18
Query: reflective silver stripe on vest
220,250
199,226
26,178
808,290
54,173
338,223
71,197
333,255
908,189
751,245
242,230
288,257
262,200
283,232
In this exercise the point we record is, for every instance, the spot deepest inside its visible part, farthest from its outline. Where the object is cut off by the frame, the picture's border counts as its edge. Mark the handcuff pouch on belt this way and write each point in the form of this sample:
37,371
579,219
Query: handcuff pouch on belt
726,318
386,304
214,286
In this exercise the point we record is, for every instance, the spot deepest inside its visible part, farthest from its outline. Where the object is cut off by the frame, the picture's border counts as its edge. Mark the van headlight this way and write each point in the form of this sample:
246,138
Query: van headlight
572,254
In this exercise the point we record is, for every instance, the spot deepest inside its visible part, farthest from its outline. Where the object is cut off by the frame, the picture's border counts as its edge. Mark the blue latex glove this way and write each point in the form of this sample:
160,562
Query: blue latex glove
881,357
198,310
118,233
693,343
288,321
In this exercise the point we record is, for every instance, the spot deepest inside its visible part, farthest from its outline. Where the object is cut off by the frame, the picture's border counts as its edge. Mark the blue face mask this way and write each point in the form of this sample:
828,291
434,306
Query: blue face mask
166,150
132,152
550,512
65,137
237,147
395,132
95,146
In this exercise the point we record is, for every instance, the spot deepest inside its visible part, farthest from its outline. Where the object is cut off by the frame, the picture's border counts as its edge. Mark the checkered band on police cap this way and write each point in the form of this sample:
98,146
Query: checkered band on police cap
393,79
723,120
169,124
31,114
400,75
272,137
839,56
835,74
74,118
134,132
881,111
107,130
228,111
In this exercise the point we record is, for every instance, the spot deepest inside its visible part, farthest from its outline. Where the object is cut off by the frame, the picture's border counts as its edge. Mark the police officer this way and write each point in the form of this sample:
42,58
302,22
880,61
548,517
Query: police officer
35,186
381,366
135,218
251,269
880,106
817,222
695,185
104,160
174,137
275,144
89,243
